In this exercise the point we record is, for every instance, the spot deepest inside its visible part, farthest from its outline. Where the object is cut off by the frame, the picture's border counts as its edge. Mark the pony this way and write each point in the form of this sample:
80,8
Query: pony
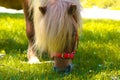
52,27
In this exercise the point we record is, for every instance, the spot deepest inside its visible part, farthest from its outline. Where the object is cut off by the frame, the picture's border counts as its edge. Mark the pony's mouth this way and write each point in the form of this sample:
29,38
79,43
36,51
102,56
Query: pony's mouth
62,65
67,70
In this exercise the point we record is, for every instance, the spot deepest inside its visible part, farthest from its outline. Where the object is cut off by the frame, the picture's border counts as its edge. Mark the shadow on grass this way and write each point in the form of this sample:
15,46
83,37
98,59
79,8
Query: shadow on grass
13,36
11,45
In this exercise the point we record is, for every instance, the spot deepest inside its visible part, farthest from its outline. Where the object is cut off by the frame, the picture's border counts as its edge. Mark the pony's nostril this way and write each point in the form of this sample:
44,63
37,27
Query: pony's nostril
67,70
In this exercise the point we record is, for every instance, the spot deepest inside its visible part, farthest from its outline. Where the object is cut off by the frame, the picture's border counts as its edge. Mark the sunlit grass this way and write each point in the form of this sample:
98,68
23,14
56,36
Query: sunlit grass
97,57
106,4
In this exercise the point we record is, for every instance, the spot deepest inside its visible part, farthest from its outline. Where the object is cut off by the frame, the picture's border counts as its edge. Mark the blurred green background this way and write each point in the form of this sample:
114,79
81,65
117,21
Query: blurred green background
107,4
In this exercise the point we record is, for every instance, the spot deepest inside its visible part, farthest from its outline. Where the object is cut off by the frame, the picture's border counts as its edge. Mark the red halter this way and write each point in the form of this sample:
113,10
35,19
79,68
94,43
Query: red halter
65,55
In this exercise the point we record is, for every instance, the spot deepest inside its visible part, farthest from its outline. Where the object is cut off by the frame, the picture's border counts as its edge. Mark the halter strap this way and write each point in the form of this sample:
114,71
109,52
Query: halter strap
65,55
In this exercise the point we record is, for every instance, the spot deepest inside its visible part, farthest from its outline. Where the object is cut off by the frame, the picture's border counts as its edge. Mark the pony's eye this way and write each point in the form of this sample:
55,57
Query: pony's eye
43,9
72,9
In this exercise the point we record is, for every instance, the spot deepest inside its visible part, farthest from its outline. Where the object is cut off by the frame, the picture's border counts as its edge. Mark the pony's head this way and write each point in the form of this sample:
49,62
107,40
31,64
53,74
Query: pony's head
56,29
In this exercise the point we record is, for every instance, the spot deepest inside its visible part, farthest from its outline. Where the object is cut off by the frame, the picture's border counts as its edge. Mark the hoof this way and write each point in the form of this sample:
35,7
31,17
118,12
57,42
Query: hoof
34,61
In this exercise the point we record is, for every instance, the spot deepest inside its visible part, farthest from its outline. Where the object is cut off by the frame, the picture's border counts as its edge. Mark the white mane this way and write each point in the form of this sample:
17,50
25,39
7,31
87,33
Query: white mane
54,30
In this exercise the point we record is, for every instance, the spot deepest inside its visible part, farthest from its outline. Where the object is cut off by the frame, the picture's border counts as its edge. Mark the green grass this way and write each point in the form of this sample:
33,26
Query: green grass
97,57
107,4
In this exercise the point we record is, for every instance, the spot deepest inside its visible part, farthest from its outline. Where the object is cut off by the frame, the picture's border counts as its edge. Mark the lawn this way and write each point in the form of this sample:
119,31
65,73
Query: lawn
97,57
106,4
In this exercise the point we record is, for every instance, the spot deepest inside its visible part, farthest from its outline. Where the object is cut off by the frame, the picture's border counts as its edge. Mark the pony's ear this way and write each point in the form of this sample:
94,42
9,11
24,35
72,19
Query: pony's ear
43,9
72,9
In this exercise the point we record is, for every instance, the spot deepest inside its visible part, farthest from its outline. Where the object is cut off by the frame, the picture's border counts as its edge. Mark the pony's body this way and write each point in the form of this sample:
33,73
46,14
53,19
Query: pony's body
14,4
51,26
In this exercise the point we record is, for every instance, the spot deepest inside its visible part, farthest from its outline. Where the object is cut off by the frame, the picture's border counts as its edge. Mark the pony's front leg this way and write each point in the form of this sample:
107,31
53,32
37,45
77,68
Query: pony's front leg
31,54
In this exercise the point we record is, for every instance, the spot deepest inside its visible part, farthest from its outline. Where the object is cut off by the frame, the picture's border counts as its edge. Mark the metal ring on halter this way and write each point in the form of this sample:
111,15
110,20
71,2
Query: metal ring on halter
67,70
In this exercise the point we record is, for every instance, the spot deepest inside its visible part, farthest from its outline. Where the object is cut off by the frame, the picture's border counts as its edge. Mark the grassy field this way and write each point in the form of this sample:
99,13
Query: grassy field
107,4
97,57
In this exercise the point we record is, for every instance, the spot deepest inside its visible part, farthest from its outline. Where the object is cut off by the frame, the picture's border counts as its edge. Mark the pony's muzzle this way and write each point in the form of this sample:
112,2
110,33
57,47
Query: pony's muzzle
67,70
62,65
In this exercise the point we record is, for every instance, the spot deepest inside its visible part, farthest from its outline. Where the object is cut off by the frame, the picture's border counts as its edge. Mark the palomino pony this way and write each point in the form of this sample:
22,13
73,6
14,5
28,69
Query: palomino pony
52,27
